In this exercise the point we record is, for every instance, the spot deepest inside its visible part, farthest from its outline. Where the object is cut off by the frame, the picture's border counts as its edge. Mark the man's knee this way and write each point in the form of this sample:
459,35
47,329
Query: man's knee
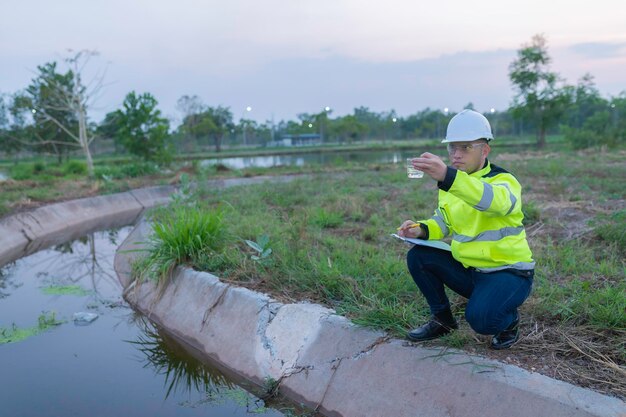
480,320
417,255
413,257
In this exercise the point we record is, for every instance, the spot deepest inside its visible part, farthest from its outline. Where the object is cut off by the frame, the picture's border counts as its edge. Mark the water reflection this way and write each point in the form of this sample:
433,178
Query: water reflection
182,373
7,281
83,261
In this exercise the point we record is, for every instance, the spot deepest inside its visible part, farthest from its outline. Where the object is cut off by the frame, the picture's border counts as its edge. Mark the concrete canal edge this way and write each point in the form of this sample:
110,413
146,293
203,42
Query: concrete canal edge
28,232
320,359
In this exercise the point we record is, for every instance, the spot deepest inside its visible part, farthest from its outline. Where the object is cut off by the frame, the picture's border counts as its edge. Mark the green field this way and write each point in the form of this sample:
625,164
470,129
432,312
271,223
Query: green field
326,239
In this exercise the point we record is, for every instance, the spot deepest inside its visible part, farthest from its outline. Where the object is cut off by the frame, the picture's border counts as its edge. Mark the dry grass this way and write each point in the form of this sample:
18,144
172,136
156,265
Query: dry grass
582,355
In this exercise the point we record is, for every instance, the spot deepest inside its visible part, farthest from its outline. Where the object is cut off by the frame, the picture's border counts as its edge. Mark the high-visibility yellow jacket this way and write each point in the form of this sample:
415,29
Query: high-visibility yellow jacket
482,212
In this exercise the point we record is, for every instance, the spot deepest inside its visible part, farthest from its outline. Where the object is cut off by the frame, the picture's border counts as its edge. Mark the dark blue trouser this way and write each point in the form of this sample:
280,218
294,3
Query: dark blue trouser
493,298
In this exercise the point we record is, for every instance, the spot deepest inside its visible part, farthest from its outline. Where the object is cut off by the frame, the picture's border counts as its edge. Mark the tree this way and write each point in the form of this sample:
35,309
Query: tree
191,107
59,104
7,145
349,127
586,102
539,93
213,122
46,134
603,127
142,130
247,127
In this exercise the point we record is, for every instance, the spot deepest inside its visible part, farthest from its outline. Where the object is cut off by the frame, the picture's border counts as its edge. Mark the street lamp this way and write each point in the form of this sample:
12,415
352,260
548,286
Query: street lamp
614,114
322,122
243,124
494,121
445,112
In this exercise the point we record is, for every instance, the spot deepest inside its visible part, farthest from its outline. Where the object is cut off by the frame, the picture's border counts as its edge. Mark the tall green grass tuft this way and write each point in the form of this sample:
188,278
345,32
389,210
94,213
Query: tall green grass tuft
183,235
612,228
579,302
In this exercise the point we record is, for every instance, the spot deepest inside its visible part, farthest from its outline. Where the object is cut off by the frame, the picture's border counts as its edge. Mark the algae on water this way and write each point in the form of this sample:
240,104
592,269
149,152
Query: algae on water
65,290
14,334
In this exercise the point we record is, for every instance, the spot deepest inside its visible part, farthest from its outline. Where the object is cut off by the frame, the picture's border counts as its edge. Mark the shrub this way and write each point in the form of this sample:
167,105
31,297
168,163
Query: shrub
22,172
38,168
75,168
598,130
139,169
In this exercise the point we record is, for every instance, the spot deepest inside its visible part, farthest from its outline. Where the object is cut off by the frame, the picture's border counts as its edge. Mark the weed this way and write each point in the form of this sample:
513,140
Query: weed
612,228
532,214
326,219
183,194
270,388
182,235
15,334
261,247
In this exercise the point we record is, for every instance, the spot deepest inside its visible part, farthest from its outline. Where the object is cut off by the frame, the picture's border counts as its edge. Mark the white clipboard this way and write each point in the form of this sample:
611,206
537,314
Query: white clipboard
430,243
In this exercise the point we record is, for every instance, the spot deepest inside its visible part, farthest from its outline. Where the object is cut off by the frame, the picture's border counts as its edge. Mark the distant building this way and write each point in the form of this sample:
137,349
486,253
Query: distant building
303,139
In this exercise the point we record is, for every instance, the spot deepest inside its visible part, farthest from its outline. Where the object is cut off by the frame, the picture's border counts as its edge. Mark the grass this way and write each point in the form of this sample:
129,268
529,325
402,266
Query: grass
183,234
329,243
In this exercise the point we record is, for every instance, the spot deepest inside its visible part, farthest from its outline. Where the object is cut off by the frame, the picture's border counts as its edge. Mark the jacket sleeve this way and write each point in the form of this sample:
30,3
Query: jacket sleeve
498,197
437,227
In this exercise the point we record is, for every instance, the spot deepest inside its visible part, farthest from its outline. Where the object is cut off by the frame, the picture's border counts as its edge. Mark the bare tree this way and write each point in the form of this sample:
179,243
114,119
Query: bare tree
74,98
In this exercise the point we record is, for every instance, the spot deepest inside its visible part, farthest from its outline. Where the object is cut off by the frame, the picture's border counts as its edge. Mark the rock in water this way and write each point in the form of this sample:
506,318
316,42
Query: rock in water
83,318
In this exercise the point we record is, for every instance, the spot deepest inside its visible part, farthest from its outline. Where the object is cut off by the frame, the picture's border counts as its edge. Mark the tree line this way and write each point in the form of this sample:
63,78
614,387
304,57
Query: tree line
51,116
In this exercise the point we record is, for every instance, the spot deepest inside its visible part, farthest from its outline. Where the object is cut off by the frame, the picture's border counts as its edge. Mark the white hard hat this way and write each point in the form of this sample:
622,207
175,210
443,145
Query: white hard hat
466,126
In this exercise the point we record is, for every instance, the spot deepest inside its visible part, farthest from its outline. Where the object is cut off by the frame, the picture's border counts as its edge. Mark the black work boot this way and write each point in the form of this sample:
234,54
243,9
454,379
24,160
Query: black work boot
506,337
440,324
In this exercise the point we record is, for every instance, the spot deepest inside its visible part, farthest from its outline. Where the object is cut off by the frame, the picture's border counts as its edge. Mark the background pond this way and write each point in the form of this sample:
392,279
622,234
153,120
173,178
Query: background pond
320,158
118,364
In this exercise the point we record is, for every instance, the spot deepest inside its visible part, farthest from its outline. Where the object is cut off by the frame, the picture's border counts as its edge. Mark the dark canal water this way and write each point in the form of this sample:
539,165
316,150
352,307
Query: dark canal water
118,365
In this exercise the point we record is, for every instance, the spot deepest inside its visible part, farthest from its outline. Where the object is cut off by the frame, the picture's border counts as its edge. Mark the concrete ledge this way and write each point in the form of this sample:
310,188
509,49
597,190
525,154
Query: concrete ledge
153,196
13,241
58,223
325,362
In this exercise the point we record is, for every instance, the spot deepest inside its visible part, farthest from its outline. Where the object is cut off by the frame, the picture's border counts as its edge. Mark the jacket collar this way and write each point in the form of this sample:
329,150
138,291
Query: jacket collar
483,171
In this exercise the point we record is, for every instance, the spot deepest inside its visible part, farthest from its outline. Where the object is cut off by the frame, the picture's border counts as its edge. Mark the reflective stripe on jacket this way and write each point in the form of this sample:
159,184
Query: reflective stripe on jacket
482,212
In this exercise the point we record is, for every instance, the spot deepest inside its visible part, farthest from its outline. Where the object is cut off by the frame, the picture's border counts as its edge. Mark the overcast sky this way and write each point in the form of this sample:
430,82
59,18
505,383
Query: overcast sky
284,57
